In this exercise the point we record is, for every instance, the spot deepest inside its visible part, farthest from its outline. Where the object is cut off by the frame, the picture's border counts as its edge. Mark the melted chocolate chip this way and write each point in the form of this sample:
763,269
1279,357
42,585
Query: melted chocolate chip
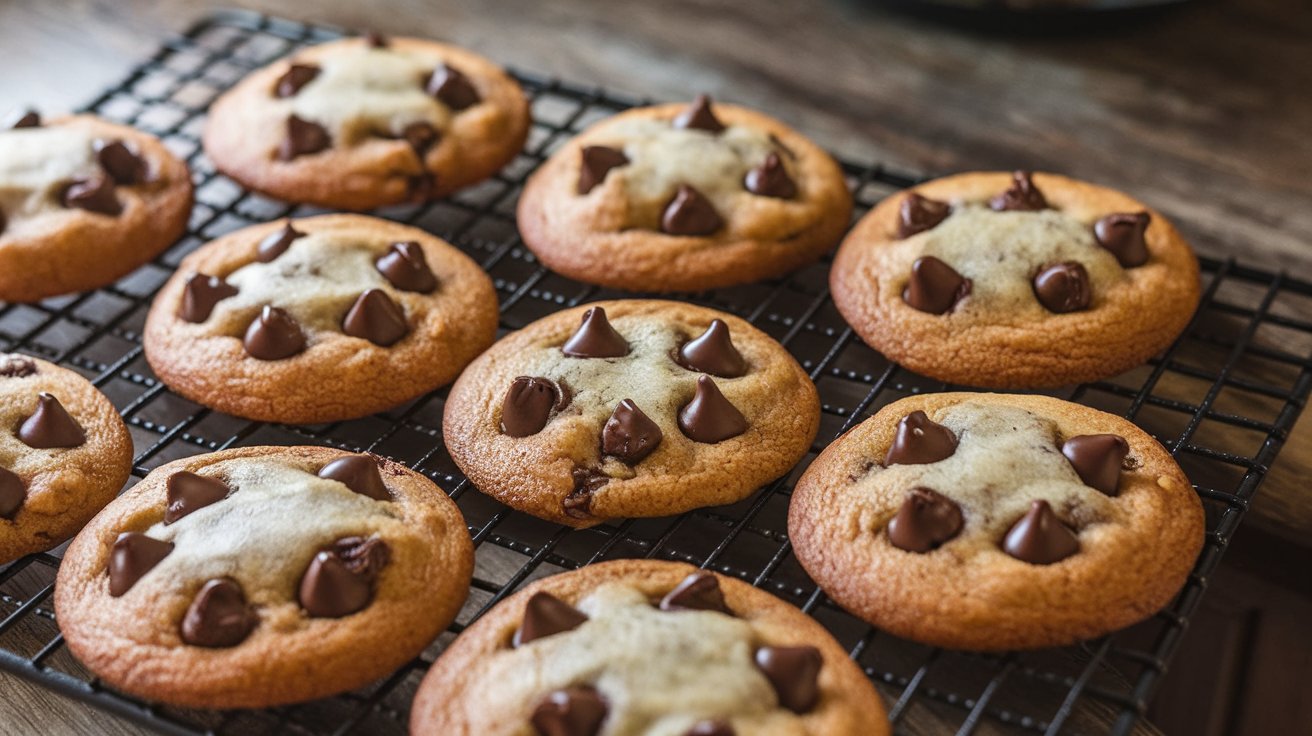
132,556
595,163
16,366
1123,235
360,474
28,119
1097,459
1063,287
794,672
919,441
122,164
405,267
528,405
934,287
595,338
304,137
340,580
421,137
188,492
546,615
1040,537
629,434
12,493
574,711
4,223
1022,196
710,728
578,504
770,179
273,335
699,591
918,214
51,426
276,243
709,417
926,520
712,352
296,77
690,213
93,195
375,40
452,88
376,318
201,294
218,616
699,116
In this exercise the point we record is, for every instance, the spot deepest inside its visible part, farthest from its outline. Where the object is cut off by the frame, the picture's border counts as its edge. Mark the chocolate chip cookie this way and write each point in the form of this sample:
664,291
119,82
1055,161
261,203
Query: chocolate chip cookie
995,521
83,202
64,453
263,575
319,319
629,408
1015,280
645,647
365,122
684,197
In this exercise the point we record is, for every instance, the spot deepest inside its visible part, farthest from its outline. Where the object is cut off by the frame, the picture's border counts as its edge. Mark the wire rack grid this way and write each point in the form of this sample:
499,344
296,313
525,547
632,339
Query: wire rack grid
1222,399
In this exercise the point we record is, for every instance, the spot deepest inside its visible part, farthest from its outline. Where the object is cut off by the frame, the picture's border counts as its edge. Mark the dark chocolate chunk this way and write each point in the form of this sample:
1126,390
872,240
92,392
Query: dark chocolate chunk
595,338
1022,196
574,711
360,474
376,318
709,417
1097,459
1123,235
122,164
919,441
273,335
304,137
710,728
189,491
712,352
296,77
926,520
405,267
51,426
699,116
794,672
595,163
578,504
340,580
201,294
133,555
93,195
27,119
276,243
421,137
375,40
1040,537
528,405
452,88
12,493
16,366
699,591
218,616
918,214
690,213
934,287
629,434
546,615
771,179
1063,287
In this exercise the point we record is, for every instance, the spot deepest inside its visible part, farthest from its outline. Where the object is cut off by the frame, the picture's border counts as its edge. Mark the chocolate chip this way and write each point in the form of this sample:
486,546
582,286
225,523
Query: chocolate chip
528,405
1040,537
51,426
690,213
452,88
546,615
770,179
712,352
574,711
1022,196
133,555
376,40
360,474
27,119
93,195
405,267
629,434
188,492
918,214
273,335
340,580
201,294
710,728
421,137
1123,235
794,672
1063,287
16,366
303,138
296,77
919,441
12,493
376,318
218,616
934,287
422,186
699,591
709,417
595,163
3,222
276,243
122,164
595,338
578,504
926,520
699,116
1097,459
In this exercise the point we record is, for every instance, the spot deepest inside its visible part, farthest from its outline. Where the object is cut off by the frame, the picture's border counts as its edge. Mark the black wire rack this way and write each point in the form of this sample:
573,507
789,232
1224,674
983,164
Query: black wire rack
1223,399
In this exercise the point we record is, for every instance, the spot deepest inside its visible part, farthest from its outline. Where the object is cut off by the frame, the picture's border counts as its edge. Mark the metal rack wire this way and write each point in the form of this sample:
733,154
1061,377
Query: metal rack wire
1222,399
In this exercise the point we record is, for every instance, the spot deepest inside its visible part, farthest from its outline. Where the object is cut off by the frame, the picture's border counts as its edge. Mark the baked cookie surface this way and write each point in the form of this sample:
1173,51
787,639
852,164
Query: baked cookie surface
1012,281
82,203
365,122
645,647
64,453
259,576
629,408
994,521
681,198
319,319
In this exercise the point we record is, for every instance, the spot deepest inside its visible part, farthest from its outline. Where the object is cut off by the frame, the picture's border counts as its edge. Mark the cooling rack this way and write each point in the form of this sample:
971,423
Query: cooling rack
1223,399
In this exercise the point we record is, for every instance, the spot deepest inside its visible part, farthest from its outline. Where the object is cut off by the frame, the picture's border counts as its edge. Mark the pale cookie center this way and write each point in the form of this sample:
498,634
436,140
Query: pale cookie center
35,164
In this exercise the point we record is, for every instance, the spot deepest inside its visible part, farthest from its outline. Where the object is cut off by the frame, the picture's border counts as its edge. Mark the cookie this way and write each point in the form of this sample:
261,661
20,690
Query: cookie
1015,281
645,647
684,197
629,408
263,575
82,203
996,521
365,122
320,319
